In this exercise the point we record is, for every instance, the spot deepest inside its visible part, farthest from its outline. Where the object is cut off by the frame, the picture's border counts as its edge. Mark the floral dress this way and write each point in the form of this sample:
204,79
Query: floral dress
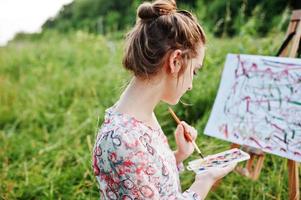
133,161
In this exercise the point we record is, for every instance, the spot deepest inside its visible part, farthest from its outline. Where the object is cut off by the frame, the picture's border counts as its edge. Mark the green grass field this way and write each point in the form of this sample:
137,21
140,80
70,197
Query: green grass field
53,93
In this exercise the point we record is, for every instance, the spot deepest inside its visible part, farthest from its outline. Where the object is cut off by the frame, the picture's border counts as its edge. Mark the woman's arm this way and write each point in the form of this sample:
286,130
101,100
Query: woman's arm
203,182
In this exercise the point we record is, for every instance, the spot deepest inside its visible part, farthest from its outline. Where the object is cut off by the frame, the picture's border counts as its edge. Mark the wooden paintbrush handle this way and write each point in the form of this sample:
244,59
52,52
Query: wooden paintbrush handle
186,134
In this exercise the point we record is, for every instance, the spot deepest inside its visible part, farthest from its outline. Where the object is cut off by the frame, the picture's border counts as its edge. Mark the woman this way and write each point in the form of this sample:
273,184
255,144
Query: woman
132,158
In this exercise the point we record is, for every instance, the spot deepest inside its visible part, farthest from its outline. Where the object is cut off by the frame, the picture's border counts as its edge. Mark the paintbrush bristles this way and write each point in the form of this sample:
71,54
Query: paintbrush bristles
197,149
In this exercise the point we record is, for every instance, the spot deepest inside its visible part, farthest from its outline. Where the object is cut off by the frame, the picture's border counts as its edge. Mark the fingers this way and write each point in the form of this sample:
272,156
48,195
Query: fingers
230,167
215,173
220,172
180,128
191,130
179,133
227,169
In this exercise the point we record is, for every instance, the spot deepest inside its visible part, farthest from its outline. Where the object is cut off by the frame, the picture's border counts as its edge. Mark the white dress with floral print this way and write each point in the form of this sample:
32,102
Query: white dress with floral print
133,161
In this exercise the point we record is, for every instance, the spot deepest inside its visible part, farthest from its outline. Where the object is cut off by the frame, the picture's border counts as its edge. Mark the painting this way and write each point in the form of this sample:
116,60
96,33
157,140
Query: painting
258,104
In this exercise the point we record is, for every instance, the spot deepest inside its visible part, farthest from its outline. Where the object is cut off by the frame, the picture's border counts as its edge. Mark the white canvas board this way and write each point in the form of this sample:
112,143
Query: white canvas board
258,104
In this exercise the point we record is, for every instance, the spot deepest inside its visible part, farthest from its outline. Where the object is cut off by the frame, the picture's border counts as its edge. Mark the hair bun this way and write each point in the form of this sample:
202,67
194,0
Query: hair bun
146,11
149,10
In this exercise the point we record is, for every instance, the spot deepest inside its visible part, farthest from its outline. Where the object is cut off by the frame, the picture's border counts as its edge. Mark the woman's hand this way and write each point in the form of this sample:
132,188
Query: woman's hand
184,148
204,181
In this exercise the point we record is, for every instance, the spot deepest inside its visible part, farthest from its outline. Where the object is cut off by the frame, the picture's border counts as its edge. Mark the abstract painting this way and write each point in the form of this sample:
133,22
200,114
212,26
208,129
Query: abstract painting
258,104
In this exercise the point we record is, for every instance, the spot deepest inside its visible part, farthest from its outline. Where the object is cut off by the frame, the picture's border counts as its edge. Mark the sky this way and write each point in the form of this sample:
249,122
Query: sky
25,16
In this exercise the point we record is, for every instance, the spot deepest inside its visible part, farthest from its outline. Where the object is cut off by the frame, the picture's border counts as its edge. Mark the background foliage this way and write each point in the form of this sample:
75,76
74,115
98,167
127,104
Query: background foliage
222,18
55,86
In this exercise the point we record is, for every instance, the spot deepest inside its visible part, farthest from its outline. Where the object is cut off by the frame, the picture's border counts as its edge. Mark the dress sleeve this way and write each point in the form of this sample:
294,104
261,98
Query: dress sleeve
135,171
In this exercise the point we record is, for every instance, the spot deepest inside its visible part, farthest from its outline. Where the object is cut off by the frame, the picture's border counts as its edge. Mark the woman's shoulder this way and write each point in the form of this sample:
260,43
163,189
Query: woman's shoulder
119,128
119,125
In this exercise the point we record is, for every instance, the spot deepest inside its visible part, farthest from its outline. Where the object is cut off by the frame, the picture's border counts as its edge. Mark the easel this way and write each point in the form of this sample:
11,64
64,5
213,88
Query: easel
289,48
254,164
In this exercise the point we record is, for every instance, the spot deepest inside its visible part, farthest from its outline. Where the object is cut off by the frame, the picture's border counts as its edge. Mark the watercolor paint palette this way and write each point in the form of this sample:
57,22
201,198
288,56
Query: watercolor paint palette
218,160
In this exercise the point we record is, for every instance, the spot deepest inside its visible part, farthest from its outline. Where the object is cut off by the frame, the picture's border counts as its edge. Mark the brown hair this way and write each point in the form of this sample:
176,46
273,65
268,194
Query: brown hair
160,28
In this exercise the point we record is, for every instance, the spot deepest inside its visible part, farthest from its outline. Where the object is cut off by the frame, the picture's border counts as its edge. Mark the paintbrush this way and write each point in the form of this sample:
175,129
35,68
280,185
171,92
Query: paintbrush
186,134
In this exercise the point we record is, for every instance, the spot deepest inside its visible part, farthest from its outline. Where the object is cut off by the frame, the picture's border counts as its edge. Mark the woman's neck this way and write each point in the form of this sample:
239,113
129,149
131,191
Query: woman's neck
140,99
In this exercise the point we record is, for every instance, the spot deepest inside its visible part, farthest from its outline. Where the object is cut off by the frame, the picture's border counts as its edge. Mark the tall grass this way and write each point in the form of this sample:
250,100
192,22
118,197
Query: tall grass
53,93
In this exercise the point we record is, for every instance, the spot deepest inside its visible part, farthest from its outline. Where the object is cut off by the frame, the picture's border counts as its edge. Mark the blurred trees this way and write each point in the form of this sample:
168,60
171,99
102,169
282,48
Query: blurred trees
222,18
253,17
94,16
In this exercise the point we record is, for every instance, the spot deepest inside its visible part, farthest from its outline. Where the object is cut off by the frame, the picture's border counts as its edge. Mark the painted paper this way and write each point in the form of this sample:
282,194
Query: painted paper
259,104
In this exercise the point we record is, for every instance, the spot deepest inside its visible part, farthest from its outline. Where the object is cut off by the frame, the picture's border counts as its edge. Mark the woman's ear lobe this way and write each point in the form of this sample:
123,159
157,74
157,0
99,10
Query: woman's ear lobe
177,66
172,65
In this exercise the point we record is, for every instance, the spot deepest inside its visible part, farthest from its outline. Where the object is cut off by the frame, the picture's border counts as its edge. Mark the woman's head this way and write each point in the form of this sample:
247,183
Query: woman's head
164,40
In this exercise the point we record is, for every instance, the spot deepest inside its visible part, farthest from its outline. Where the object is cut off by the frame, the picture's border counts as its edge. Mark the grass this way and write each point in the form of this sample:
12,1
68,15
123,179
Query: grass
53,93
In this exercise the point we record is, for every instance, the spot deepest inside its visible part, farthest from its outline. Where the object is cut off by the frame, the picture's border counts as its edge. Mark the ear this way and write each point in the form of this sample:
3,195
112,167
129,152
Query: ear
175,61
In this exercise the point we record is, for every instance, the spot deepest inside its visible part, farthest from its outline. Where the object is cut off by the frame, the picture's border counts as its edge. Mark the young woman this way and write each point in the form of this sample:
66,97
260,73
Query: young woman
132,158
